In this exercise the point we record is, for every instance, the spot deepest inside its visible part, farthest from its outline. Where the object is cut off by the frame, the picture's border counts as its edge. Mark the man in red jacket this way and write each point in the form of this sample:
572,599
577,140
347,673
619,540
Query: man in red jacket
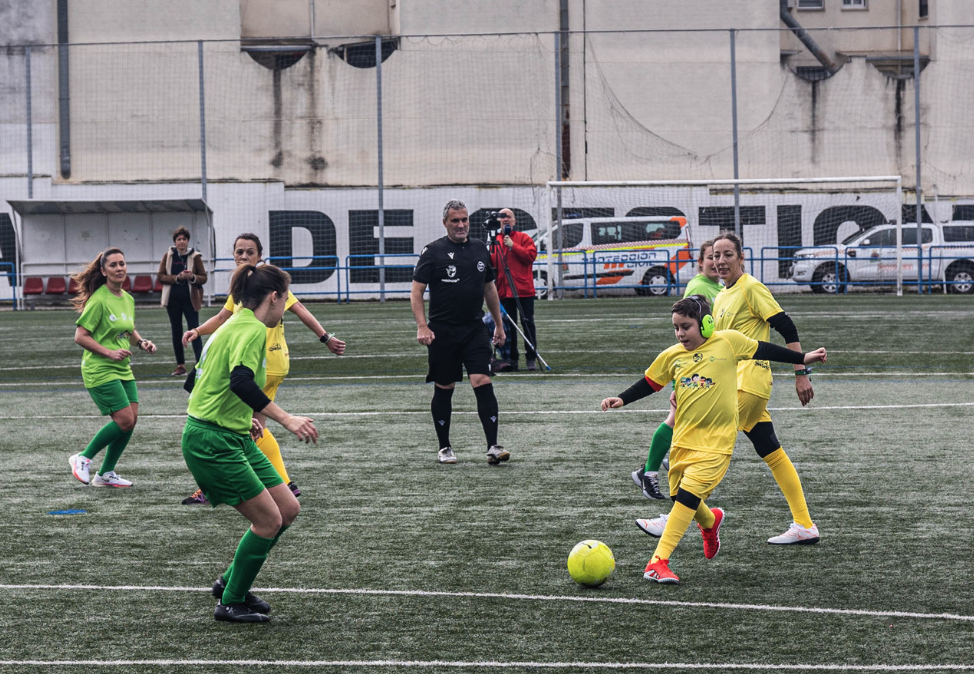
516,250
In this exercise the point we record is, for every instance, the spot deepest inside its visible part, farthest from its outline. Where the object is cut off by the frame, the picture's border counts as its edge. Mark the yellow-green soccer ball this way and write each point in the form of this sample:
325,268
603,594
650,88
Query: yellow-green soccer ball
590,563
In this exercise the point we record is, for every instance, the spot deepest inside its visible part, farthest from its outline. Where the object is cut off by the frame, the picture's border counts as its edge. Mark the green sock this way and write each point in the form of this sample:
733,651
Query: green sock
250,556
659,447
105,436
229,572
114,453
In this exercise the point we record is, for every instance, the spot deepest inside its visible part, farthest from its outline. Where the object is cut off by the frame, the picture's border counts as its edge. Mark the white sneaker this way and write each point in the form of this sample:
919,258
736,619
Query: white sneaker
109,479
446,455
79,468
797,535
496,454
653,527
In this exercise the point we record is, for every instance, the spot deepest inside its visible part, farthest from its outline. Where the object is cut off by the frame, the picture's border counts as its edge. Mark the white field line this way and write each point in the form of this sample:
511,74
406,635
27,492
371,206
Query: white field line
419,354
488,664
516,597
401,413
533,376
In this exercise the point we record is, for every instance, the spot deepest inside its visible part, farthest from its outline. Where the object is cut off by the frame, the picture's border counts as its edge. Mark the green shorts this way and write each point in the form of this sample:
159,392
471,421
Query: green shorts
227,466
115,395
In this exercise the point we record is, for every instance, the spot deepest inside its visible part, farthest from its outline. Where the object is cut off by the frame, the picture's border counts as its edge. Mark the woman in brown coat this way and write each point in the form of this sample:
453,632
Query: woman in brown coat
182,276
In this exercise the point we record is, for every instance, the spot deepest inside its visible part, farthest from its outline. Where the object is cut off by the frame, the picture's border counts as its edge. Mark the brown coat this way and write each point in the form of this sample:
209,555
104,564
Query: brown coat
167,279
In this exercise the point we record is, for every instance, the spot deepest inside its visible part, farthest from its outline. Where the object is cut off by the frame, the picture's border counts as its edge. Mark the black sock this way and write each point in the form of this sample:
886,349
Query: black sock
487,411
442,408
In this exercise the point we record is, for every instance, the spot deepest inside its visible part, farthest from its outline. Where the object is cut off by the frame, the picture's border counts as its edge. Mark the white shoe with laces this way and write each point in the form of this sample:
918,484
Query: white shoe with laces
797,535
109,479
79,468
446,455
496,454
653,527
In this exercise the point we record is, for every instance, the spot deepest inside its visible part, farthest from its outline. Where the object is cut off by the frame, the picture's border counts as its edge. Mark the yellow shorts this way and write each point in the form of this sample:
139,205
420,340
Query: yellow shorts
751,410
696,472
270,386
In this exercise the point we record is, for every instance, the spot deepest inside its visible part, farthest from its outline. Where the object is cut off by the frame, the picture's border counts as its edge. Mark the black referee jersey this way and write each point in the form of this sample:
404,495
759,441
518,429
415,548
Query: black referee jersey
455,274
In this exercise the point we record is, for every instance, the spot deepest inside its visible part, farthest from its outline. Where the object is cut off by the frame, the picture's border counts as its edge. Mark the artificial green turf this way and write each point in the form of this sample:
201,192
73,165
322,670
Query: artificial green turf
888,485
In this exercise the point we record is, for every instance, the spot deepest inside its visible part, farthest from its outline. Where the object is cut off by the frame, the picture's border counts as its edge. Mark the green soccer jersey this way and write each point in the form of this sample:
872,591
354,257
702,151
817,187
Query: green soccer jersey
110,320
239,341
702,285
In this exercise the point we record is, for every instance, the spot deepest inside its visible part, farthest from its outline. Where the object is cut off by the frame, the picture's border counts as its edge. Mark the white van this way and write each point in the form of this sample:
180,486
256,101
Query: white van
650,255
870,258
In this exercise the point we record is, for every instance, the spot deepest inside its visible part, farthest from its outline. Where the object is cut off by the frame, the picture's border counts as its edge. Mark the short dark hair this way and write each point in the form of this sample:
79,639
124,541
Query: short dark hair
251,284
694,306
182,231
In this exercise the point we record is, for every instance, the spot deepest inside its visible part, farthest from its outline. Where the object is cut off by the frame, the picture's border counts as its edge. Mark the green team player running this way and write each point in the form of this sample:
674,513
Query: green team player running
706,283
106,331
218,439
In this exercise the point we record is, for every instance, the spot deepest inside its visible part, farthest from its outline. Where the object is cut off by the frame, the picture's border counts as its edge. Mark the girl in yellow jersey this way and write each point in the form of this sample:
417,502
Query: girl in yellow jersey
247,249
704,366
747,305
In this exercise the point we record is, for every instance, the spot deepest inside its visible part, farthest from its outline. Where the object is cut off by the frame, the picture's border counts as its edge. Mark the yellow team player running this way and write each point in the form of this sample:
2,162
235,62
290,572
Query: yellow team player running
705,283
247,249
747,305
217,439
704,367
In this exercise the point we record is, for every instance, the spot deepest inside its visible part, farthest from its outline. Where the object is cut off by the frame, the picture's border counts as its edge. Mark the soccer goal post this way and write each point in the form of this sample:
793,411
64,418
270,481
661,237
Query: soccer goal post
603,237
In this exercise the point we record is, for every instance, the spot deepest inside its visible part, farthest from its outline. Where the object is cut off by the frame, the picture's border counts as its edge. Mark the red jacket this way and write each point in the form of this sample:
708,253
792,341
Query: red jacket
520,260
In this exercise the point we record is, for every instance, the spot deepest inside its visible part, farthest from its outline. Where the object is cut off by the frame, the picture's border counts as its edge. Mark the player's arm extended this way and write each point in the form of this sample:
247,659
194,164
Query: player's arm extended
642,388
785,327
780,354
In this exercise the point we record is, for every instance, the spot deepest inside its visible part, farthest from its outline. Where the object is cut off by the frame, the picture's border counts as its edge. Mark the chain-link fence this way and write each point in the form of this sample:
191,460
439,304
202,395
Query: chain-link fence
341,151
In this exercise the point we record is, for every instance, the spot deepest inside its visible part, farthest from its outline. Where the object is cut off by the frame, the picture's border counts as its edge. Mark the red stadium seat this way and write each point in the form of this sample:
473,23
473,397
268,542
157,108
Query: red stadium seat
127,284
142,284
157,287
72,287
33,285
56,286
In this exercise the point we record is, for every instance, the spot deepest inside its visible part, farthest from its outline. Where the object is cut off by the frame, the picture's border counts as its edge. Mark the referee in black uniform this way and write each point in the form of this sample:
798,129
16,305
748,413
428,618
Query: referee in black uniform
457,271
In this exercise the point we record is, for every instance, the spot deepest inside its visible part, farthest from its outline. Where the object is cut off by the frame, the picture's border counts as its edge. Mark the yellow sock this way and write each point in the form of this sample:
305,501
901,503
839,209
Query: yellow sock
676,525
704,516
790,484
268,445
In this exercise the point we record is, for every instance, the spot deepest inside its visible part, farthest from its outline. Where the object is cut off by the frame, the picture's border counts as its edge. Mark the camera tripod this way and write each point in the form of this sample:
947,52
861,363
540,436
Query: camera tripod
494,246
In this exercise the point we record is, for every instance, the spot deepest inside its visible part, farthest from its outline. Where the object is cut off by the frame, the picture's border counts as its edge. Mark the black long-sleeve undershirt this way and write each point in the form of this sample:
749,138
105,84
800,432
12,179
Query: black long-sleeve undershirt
765,351
785,327
244,386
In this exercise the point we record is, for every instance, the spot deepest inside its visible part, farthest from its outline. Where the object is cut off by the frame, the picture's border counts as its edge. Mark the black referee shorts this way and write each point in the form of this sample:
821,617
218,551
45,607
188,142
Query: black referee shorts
456,347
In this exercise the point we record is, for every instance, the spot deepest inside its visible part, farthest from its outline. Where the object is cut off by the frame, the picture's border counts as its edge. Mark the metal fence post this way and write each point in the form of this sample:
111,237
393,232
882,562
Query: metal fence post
919,184
30,130
378,124
199,50
556,237
737,173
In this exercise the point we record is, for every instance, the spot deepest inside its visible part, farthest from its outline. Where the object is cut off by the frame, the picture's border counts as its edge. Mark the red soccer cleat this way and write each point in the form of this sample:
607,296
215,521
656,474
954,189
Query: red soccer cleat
711,536
659,571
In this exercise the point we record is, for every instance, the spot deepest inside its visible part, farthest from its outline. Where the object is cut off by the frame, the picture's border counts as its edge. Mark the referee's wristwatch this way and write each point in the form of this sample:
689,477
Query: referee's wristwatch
803,372
325,338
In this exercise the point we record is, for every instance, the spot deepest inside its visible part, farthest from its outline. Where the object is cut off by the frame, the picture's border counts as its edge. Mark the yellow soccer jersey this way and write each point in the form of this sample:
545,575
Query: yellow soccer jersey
278,361
746,307
706,390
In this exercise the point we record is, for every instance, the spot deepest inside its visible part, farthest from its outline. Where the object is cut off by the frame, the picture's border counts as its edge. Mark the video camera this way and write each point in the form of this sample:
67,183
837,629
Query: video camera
493,224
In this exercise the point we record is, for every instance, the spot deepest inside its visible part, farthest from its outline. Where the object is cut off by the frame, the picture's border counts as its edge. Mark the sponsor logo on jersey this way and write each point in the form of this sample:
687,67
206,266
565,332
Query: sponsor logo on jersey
112,317
697,357
451,271
480,265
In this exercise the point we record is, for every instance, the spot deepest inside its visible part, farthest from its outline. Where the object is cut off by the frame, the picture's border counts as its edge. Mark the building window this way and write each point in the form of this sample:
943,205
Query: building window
811,4
853,4
924,9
